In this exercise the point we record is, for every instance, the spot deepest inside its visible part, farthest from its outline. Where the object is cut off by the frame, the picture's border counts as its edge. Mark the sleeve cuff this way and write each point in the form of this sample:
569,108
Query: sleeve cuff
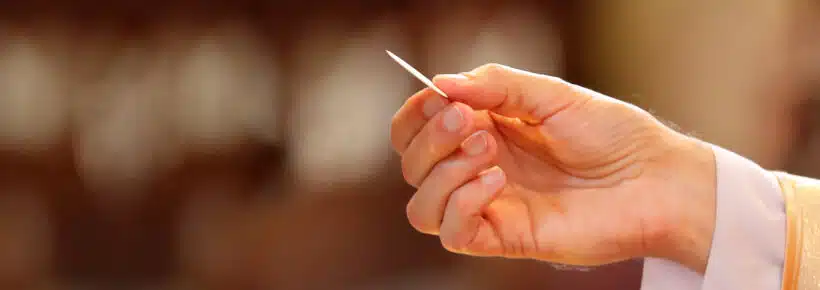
748,246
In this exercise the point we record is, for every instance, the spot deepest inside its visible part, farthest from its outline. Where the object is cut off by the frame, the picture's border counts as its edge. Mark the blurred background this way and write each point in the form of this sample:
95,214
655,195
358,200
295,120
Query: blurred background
244,144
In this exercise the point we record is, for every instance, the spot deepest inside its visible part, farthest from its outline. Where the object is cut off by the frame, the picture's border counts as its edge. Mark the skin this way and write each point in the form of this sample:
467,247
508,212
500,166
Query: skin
521,165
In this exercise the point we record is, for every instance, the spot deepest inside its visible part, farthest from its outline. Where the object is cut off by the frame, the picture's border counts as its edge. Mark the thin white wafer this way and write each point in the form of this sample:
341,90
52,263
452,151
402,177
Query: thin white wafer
416,73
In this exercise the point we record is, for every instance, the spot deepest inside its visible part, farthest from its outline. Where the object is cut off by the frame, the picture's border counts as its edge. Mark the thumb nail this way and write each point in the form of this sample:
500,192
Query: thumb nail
449,79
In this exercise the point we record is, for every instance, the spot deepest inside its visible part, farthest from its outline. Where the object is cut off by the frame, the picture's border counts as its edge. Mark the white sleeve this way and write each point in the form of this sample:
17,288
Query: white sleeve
748,246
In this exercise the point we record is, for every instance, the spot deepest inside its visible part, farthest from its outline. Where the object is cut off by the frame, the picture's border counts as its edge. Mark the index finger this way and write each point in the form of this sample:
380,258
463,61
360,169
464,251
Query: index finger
413,115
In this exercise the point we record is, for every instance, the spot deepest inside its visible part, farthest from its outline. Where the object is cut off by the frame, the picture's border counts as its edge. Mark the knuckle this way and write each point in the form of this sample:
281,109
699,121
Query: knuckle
498,79
557,80
492,69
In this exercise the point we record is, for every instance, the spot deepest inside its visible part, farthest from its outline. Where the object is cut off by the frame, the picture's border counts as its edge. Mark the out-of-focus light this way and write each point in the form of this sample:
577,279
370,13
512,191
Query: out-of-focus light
32,93
345,95
226,89
122,130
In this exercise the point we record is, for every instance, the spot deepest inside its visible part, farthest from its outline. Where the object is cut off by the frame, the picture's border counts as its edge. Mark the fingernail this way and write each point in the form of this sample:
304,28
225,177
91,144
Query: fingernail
453,119
449,79
493,177
475,144
433,105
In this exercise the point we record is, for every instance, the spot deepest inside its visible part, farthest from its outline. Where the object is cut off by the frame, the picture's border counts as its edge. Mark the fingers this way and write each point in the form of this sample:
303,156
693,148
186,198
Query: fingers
511,92
426,208
439,138
412,117
464,229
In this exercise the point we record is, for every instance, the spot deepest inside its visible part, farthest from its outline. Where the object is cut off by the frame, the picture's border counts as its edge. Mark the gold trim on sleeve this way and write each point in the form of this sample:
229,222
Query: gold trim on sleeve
801,269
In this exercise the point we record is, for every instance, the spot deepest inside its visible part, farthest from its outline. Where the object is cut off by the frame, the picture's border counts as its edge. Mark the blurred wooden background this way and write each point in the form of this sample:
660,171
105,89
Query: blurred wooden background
243,144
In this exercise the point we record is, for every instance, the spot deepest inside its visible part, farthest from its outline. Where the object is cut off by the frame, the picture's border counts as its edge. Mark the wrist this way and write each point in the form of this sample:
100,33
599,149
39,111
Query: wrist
687,238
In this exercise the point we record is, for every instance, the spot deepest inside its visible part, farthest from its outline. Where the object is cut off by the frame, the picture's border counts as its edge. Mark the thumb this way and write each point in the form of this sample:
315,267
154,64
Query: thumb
510,92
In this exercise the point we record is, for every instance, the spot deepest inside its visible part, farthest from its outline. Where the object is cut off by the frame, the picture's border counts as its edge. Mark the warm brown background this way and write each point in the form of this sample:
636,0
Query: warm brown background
243,144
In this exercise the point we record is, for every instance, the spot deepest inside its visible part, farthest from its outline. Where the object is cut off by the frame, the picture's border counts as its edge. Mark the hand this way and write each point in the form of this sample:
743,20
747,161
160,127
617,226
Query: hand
522,165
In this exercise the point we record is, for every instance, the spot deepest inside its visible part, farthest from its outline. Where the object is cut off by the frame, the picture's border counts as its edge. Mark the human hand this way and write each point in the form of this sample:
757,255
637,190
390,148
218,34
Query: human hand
521,165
